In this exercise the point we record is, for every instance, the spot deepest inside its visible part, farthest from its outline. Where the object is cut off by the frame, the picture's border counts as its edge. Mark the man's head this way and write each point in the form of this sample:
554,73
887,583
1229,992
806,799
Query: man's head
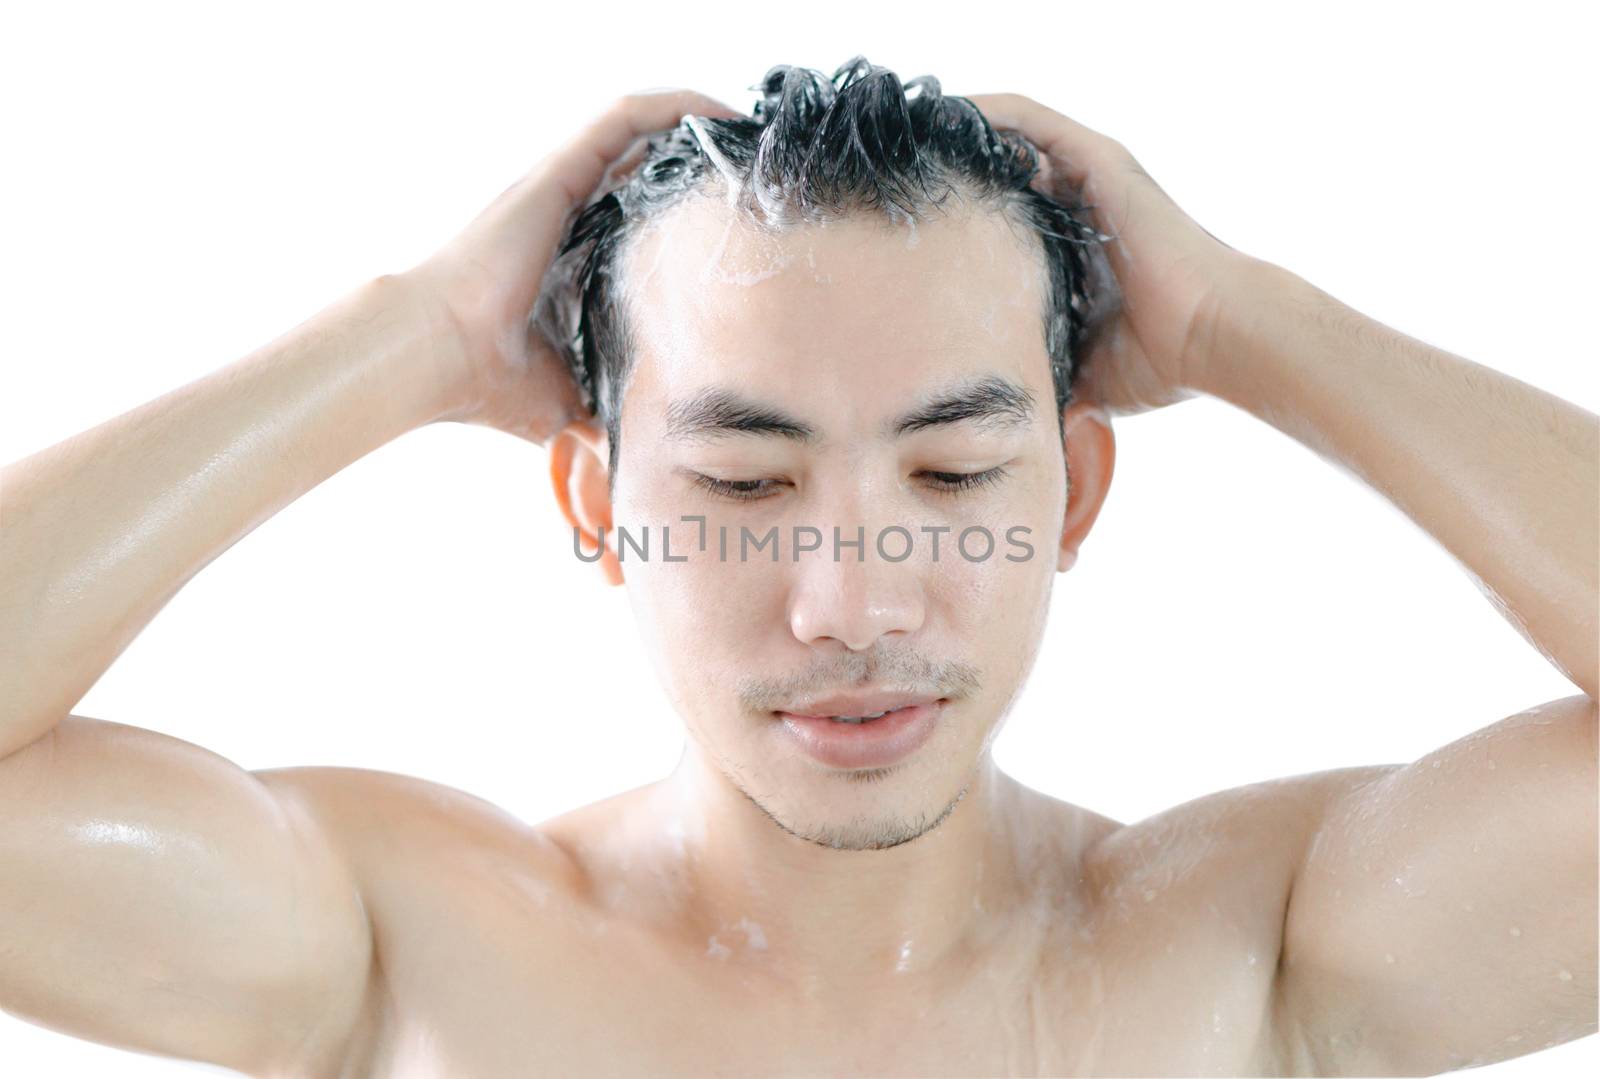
819,150
817,319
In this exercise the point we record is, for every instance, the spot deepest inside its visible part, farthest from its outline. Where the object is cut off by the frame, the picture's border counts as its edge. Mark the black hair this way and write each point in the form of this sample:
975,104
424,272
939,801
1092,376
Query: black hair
817,148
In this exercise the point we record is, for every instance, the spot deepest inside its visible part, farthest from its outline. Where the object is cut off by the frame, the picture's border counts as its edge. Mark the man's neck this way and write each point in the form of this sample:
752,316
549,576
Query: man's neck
841,919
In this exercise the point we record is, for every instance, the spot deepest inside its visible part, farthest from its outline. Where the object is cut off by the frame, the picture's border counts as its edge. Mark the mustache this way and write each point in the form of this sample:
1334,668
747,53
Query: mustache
900,668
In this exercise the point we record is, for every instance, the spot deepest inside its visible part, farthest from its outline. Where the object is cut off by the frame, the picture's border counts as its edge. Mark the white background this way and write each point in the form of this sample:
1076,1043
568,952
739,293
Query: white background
186,183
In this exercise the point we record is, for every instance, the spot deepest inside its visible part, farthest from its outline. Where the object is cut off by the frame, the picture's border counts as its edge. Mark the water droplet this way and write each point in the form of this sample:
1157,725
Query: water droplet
1516,931
1149,894
1435,764
1491,765
1564,975
1388,957
1253,961
1513,1037
754,935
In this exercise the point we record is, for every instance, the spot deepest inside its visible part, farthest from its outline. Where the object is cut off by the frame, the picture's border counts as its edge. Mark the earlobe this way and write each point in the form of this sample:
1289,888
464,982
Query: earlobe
578,461
1091,450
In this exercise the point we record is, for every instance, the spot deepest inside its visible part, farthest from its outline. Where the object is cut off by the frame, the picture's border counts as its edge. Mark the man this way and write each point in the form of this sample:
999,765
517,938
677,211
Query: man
805,894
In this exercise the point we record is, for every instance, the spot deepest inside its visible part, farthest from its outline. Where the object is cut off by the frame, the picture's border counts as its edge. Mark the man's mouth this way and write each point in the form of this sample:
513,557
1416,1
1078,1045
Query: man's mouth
861,719
860,707
844,735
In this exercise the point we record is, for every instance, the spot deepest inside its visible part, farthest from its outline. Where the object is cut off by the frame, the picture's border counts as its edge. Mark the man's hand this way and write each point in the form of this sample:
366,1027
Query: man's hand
483,283
1438,914
1175,276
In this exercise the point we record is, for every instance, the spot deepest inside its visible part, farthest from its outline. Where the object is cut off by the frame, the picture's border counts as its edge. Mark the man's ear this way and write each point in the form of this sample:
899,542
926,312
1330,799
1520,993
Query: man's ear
1091,453
578,461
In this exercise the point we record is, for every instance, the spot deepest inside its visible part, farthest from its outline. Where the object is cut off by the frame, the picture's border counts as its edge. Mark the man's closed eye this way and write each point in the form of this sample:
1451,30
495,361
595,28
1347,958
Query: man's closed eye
944,482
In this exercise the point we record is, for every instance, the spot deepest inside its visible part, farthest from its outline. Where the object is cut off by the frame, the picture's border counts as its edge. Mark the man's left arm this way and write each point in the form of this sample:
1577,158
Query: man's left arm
1444,912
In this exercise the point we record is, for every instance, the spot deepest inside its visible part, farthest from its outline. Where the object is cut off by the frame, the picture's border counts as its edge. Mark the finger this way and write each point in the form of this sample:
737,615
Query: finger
638,149
705,105
554,374
584,160
622,167
531,213
1080,151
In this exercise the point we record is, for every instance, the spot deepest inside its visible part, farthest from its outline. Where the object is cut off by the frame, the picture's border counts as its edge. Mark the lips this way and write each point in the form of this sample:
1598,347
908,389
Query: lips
877,743
862,703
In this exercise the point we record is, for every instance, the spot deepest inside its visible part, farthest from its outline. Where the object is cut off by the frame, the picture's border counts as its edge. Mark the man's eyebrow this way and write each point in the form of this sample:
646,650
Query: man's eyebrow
720,411
997,401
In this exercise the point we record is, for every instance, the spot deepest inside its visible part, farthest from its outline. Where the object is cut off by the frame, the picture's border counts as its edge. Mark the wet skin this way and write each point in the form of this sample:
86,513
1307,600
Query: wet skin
775,917
585,946
754,912
759,914
756,908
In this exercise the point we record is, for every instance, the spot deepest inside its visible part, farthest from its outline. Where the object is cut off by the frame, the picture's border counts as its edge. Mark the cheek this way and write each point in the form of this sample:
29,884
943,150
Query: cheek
703,613
992,613
990,599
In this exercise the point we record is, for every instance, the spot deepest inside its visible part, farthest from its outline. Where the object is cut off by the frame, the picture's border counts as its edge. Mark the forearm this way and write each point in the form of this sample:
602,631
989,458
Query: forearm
1504,475
99,531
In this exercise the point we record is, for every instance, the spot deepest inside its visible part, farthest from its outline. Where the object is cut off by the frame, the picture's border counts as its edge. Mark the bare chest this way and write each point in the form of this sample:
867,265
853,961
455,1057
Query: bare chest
490,977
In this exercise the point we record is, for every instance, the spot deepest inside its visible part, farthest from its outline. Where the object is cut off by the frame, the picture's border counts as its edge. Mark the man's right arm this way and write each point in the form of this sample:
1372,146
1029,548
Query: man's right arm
98,532
152,894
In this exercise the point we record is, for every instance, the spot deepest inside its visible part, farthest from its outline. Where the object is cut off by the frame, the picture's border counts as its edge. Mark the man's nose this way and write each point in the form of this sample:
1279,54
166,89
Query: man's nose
854,601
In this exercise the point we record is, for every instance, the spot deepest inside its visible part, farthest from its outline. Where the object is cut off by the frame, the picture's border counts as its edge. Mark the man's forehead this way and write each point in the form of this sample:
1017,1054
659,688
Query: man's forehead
844,305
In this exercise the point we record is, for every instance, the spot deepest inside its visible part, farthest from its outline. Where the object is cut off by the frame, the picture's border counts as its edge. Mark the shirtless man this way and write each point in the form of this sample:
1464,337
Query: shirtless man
769,909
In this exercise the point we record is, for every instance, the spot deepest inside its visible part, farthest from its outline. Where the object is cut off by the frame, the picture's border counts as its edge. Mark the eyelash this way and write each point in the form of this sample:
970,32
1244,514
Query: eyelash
948,483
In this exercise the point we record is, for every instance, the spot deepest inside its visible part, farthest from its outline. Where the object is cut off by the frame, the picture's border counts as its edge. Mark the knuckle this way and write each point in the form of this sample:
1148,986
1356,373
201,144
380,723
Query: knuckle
1120,152
631,103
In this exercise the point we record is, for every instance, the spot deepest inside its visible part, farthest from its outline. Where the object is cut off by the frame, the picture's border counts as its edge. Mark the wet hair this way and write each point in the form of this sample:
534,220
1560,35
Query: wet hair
817,149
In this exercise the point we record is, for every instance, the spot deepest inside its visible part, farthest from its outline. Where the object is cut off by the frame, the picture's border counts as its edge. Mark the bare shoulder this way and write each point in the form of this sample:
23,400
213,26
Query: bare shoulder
1209,881
1271,819
433,865
1240,847
389,823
